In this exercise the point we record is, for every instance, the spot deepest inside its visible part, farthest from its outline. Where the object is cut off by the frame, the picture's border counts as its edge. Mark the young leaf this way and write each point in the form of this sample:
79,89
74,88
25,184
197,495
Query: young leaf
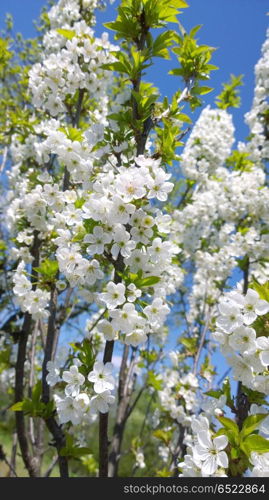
229,424
254,442
69,34
17,406
252,423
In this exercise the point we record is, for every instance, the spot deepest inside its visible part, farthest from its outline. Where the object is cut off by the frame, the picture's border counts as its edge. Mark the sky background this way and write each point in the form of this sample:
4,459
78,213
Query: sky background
236,28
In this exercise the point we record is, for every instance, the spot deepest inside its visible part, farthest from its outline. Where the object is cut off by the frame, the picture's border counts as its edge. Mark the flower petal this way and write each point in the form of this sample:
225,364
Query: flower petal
222,459
262,307
220,442
204,439
249,317
209,466
264,357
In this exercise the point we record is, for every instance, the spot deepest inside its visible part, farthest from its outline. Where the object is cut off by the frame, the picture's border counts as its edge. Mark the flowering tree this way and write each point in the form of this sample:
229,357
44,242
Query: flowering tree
107,250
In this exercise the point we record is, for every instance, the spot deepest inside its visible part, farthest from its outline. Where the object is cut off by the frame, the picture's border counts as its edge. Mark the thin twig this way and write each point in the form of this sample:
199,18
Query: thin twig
202,341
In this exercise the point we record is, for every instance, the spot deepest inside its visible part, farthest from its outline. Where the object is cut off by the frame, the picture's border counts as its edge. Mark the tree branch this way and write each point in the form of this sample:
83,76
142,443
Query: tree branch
29,461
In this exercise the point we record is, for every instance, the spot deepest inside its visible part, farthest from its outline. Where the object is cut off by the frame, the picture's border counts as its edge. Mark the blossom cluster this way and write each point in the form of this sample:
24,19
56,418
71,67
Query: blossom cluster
256,117
83,398
29,300
246,352
204,151
108,213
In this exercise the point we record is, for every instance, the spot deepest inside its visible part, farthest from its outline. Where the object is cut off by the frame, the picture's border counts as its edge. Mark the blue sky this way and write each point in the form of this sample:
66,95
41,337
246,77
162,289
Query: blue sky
235,27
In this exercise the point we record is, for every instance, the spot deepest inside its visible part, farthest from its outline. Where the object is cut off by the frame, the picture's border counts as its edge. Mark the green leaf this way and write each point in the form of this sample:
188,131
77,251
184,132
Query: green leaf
69,34
254,396
226,387
202,90
161,44
233,438
80,452
184,118
215,394
36,392
164,436
154,381
229,424
262,290
48,269
235,453
190,344
72,133
89,225
239,160
17,406
149,281
229,97
254,442
251,423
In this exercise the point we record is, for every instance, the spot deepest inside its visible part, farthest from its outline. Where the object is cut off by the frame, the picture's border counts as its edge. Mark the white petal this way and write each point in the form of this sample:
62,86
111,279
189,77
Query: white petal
74,369
262,307
249,317
263,343
209,466
108,368
220,442
225,308
264,357
200,452
92,377
251,297
67,377
98,366
204,439
222,459
100,386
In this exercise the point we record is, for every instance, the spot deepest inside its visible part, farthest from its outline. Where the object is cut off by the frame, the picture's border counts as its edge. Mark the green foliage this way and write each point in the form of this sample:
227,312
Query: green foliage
145,101
251,423
90,463
89,225
5,358
149,356
164,472
145,282
194,63
137,15
242,442
154,381
72,450
254,396
164,436
48,270
262,290
34,406
229,97
72,133
138,280
254,442
239,160
190,343
224,391
68,34
5,54
167,142
159,46
85,354
229,424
